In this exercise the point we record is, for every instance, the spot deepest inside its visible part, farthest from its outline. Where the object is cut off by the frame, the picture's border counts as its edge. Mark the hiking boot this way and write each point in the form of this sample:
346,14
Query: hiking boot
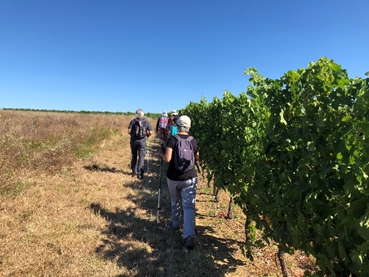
190,242
140,175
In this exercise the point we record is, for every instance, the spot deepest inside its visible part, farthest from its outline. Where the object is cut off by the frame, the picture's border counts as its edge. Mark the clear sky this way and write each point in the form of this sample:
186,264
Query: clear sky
120,55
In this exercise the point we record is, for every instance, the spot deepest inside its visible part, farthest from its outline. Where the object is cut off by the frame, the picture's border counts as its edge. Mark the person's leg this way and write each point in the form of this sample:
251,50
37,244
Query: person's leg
134,157
188,193
141,159
161,134
175,202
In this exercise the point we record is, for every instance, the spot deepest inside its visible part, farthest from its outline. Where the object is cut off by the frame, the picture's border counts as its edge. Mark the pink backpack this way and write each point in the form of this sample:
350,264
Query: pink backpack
163,122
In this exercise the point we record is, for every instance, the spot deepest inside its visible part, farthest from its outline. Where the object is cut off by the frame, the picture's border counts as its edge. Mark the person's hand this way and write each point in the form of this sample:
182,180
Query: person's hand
162,150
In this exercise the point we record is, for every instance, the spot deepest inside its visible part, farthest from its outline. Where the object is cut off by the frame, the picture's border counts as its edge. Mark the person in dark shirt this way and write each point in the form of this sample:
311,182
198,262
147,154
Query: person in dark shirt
182,186
138,143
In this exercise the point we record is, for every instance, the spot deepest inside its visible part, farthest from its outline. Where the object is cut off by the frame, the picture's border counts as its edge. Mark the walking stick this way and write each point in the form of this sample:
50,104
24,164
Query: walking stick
160,176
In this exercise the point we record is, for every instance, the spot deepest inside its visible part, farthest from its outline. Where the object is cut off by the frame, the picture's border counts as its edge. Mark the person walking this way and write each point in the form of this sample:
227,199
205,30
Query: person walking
182,183
161,127
172,124
139,129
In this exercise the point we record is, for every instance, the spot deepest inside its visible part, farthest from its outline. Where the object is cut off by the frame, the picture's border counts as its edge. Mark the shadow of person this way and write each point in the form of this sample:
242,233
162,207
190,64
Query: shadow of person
142,247
95,167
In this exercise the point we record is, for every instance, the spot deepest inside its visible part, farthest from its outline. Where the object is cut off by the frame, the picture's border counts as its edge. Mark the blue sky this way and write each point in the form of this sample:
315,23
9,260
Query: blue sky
120,55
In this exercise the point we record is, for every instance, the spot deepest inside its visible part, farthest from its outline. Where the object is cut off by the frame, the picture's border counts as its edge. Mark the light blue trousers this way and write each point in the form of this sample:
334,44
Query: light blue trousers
183,198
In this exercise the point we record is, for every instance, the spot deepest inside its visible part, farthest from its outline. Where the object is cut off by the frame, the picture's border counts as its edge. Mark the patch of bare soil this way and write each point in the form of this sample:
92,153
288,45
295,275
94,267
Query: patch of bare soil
95,219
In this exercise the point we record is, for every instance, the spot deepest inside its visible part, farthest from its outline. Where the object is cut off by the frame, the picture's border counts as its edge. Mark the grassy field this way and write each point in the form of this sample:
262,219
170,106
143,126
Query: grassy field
69,207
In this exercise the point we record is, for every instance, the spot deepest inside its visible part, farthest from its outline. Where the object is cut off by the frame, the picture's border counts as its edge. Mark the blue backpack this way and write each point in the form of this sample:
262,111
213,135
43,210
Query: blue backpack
173,129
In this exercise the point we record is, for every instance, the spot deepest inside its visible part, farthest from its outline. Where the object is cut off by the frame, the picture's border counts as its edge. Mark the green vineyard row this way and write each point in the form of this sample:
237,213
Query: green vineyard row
293,153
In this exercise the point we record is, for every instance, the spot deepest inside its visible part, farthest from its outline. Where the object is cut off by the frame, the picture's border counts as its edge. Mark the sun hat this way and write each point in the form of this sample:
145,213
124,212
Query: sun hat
165,113
174,112
184,121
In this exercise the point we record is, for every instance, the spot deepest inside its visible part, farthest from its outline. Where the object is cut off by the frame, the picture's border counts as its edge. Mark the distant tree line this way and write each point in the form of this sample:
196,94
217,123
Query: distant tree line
151,115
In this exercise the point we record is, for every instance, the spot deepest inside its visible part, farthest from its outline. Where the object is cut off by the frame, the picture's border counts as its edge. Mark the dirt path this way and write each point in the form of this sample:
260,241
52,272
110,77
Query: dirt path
95,219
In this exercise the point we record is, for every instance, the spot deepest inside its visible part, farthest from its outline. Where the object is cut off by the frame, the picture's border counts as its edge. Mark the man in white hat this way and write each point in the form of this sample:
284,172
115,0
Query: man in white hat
182,184
174,115
172,124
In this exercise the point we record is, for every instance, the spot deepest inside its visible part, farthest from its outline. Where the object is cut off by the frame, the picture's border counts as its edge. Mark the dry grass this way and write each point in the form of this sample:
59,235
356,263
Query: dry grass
32,143
66,216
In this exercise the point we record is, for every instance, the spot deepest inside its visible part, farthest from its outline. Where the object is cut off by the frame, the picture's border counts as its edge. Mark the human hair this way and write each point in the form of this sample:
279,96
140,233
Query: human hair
139,113
183,129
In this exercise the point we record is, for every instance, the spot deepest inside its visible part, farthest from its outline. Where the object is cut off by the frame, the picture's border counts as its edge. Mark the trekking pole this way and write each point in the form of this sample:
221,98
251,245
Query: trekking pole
159,191
198,167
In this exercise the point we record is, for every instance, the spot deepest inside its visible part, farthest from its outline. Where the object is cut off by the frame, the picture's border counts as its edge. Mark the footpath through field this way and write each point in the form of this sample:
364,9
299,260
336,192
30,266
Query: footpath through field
95,219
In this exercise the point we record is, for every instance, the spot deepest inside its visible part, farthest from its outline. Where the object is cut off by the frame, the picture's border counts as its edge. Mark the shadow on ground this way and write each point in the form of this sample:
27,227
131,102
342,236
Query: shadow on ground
143,247
95,167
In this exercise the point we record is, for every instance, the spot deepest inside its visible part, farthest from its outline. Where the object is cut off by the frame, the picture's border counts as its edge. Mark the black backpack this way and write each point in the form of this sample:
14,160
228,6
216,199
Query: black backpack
139,128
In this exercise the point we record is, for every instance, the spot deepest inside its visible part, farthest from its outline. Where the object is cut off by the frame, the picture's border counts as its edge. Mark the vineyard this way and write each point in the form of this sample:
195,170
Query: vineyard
292,153
283,188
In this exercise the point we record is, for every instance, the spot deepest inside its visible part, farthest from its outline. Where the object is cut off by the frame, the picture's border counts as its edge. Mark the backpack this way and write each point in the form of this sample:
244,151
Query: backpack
184,158
163,121
139,128
173,129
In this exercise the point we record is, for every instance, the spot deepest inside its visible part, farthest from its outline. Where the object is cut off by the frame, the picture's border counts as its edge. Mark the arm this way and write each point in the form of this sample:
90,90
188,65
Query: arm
130,127
149,130
157,125
197,158
167,155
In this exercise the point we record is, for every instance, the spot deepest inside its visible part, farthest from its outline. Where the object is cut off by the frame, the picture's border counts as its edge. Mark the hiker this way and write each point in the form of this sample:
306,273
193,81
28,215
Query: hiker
182,184
172,124
139,129
161,127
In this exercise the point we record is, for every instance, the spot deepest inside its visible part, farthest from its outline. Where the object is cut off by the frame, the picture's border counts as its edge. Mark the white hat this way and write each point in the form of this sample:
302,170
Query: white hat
174,112
164,113
184,121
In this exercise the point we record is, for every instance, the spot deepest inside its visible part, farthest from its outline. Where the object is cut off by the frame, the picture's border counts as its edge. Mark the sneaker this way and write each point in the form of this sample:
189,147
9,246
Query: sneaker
190,242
